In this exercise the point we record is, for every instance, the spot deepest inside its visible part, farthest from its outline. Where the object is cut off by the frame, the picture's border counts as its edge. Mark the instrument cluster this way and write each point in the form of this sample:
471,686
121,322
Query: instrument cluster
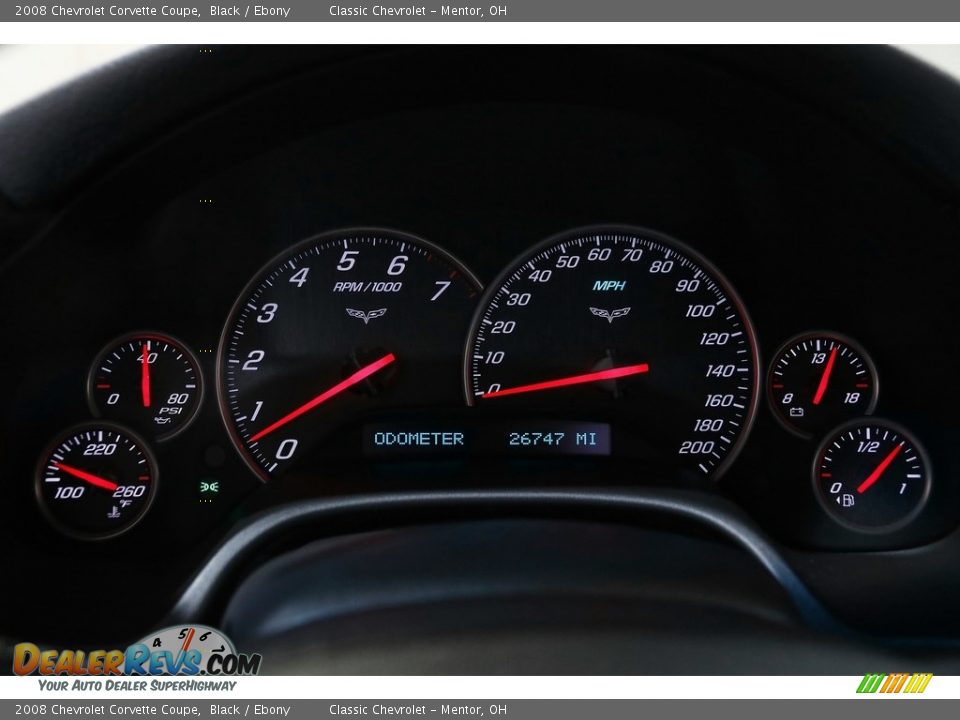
608,344
420,285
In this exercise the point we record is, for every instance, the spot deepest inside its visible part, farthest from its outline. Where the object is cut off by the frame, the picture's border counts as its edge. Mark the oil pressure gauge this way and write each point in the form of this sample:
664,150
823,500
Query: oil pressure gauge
871,476
819,380
147,381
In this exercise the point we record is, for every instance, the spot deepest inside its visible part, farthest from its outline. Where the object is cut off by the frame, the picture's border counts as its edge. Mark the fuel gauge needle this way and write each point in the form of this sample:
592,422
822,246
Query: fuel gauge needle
880,469
359,376
94,480
611,374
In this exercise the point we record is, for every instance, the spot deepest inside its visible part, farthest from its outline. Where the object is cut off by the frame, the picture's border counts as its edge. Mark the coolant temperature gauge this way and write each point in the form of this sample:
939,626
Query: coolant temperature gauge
819,380
871,476
96,481
147,381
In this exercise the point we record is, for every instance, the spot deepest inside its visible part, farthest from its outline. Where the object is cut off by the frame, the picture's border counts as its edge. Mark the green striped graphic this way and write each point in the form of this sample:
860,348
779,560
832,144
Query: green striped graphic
871,682
884,683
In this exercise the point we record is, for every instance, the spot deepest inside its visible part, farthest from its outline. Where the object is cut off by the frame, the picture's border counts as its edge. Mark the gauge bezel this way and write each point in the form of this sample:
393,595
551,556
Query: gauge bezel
812,335
900,430
71,431
97,412
708,267
277,259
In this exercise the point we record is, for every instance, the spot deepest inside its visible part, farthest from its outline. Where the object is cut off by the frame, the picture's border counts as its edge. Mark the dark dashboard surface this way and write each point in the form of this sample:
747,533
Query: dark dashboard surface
818,219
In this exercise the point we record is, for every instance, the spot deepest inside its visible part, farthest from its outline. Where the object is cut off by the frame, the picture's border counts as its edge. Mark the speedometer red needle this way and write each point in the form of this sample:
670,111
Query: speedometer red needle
610,374
825,378
94,480
875,475
359,376
145,376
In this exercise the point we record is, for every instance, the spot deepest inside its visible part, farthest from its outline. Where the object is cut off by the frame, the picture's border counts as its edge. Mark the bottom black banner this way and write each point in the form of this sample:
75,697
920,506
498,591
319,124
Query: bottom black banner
872,707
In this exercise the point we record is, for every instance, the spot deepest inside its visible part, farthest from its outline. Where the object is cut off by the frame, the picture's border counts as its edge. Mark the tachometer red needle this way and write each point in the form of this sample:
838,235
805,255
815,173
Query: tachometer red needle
359,376
610,374
825,378
875,475
87,477
145,376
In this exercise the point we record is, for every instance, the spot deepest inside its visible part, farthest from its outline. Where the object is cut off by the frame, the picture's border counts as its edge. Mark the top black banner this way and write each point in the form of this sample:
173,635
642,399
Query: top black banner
498,11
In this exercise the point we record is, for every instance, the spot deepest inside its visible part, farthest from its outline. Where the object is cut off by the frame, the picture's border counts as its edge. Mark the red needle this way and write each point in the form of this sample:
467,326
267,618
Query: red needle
875,475
145,376
610,374
825,378
360,375
83,475
188,639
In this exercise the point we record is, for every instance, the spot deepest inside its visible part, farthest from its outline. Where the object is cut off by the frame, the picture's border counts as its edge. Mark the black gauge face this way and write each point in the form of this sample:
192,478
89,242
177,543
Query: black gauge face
96,481
625,325
871,476
342,325
819,380
147,381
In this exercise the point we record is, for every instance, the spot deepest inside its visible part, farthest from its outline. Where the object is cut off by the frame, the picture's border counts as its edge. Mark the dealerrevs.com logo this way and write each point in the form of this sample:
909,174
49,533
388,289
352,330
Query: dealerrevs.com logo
180,650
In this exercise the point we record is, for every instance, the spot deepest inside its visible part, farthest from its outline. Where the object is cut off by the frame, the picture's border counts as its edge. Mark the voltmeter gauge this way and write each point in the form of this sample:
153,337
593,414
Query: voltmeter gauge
872,476
147,381
96,481
818,380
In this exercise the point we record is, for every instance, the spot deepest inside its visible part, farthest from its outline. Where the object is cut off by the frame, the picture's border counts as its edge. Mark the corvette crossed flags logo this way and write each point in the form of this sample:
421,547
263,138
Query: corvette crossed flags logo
610,315
366,316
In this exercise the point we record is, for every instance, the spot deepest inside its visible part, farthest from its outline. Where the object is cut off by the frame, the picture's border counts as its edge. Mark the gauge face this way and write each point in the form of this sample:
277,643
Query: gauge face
96,481
147,381
871,476
342,325
202,640
819,380
626,325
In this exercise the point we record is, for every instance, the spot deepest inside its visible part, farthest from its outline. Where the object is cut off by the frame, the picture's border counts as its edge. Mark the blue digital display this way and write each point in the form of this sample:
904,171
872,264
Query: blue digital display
394,439
399,439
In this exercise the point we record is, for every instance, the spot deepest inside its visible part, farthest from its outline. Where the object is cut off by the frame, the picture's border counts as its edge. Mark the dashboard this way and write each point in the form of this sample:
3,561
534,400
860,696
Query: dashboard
439,270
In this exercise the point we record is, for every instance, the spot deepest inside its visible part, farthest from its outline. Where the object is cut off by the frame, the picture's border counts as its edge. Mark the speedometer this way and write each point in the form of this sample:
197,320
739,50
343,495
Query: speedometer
623,325
342,325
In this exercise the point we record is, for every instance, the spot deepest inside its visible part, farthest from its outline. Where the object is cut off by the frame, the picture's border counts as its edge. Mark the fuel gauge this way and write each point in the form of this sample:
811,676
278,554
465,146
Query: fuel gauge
819,380
871,476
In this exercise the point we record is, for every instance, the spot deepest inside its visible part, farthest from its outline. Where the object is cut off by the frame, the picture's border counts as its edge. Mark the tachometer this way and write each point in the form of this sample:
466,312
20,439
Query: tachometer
625,325
341,325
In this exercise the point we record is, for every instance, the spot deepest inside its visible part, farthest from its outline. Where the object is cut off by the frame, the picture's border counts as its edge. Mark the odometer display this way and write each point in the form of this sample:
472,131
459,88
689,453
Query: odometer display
627,326
345,324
